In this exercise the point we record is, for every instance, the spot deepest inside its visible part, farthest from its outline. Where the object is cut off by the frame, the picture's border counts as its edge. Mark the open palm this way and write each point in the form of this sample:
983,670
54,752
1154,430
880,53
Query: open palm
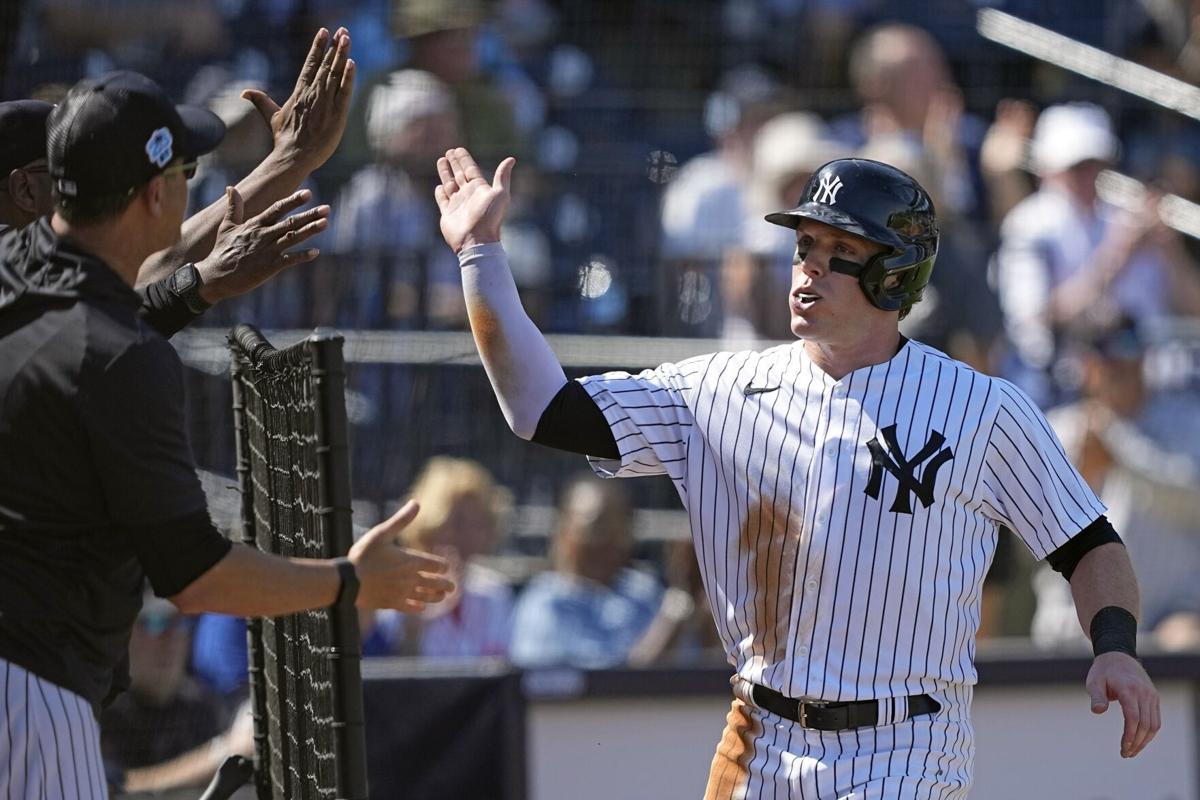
472,209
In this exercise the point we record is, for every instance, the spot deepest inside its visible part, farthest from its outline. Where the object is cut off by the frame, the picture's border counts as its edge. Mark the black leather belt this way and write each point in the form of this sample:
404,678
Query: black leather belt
824,716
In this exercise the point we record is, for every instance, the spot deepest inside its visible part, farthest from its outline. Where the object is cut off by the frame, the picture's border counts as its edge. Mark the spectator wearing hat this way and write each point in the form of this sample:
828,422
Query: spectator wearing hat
1066,255
441,37
1140,450
387,220
786,150
98,490
24,176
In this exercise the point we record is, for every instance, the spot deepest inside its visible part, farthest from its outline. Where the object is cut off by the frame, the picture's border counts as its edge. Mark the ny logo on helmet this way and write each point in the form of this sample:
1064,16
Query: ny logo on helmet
827,190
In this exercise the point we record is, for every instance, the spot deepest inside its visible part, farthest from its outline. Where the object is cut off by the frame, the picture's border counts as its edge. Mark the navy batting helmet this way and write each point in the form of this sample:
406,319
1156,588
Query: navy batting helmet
880,203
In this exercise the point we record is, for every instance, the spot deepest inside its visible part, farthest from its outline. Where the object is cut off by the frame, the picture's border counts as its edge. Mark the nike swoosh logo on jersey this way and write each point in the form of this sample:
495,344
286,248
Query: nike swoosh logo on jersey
750,389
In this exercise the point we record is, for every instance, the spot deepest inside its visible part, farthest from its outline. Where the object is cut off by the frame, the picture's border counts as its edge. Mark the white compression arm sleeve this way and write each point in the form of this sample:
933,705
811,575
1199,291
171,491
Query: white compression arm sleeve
524,371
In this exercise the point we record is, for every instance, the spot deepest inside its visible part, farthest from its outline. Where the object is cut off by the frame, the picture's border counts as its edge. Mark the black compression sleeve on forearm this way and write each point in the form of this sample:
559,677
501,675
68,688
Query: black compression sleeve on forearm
573,422
164,310
1066,558
176,552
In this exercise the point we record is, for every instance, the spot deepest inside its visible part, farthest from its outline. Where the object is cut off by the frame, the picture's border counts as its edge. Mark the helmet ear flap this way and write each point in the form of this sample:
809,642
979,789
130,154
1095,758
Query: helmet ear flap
891,287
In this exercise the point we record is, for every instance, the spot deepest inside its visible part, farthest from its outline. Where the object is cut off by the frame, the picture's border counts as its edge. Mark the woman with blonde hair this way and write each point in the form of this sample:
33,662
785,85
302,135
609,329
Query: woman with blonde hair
463,510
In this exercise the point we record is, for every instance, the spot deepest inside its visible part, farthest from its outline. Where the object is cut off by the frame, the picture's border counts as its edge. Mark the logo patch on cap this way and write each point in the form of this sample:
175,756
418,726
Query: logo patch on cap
160,147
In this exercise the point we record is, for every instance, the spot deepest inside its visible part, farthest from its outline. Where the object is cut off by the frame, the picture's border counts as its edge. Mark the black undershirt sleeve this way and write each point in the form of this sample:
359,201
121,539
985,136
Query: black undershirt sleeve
573,422
175,553
1066,558
164,310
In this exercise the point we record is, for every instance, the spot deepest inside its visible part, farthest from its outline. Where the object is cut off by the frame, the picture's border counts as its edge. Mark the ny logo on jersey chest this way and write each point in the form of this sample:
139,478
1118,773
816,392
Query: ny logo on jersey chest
894,461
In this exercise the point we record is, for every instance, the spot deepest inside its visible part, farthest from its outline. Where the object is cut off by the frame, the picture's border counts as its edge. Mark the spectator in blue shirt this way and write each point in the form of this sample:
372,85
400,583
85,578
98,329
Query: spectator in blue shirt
592,608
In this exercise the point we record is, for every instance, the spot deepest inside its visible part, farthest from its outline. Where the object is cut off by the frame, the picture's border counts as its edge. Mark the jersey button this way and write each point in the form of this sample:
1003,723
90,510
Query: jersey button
802,650
811,585
831,450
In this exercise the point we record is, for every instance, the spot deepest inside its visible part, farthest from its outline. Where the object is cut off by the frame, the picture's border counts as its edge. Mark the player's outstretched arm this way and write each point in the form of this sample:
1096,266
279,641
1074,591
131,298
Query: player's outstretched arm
249,583
306,130
1106,599
523,370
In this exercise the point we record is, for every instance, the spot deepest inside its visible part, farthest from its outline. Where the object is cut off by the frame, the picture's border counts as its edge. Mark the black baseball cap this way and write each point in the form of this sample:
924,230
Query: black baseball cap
118,131
22,133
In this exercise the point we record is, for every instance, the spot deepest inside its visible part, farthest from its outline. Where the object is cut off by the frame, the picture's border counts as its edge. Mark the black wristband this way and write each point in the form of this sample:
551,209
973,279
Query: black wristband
348,591
1114,629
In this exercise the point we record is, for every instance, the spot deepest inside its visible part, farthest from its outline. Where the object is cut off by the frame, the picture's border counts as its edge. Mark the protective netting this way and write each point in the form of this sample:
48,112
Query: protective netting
414,395
305,678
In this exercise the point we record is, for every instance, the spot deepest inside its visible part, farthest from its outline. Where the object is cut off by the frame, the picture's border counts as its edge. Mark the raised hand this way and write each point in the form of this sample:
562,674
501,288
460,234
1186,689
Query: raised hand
472,209
1007,140
309,125
250,252
940,135
1120,677
391,576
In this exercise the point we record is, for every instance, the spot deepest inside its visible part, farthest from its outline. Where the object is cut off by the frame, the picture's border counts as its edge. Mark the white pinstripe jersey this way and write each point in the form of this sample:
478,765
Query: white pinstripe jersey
844,527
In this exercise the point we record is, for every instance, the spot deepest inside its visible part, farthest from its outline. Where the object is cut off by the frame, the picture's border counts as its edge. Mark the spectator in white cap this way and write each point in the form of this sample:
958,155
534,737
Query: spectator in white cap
1066,255
785,151
387,221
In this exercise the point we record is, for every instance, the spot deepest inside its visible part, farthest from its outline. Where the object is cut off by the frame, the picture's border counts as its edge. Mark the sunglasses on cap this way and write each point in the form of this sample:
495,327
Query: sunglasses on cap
188,168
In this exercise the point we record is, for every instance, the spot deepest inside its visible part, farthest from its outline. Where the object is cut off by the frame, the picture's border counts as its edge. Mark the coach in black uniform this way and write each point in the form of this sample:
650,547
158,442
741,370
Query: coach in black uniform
97,486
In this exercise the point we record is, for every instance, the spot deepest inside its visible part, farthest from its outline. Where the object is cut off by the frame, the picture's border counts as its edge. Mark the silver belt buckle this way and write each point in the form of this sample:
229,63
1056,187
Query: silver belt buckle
802,708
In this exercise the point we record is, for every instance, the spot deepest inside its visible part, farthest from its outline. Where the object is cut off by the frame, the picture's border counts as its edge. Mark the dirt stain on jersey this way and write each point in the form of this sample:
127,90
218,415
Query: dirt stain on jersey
771,546
730,771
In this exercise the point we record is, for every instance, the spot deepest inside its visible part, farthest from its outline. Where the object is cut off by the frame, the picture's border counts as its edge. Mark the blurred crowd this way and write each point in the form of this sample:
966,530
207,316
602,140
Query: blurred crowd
651,137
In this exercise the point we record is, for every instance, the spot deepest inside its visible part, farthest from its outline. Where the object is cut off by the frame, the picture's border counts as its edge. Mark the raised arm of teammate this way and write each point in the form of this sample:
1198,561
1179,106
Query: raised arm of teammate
306,130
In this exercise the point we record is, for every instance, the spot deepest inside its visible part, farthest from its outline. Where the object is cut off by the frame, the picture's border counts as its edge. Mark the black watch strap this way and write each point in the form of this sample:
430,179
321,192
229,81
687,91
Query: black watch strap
348,591
185,284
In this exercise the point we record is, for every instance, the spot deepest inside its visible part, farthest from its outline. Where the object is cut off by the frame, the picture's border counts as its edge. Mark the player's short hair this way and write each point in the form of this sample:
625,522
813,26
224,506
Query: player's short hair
91,210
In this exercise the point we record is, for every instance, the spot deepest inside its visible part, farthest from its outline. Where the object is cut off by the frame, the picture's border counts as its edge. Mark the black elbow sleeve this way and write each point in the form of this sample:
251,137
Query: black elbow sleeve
573,422
1066,558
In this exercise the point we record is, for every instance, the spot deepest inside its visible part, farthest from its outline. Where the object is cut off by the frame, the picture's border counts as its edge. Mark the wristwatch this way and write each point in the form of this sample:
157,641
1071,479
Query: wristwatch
185,284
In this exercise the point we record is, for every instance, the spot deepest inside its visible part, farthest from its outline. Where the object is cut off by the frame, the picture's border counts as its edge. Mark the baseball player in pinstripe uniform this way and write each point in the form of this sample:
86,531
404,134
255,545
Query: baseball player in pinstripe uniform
844,492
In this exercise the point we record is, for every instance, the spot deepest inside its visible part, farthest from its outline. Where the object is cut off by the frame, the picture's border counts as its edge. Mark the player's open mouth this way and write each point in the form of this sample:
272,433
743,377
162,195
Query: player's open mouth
803,300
